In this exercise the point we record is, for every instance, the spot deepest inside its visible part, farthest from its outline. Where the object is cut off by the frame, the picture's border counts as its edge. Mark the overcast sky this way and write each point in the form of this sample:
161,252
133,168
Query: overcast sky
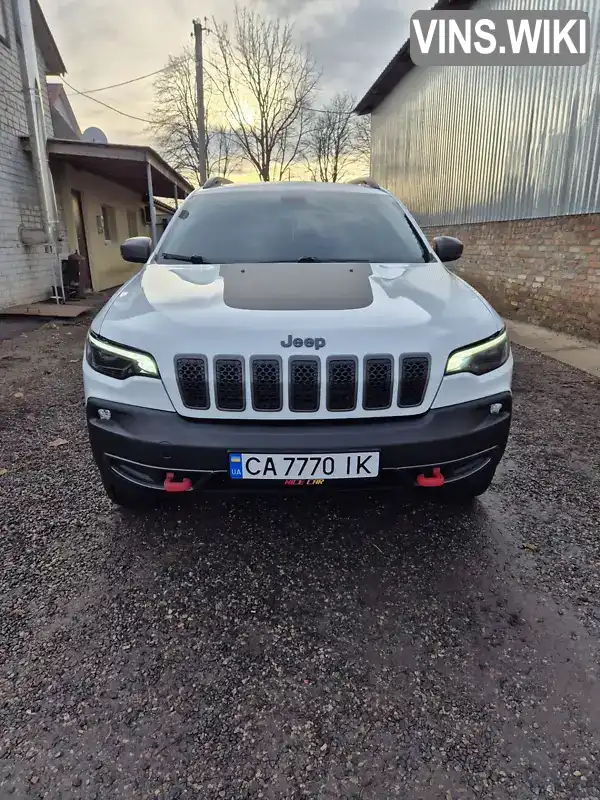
108,41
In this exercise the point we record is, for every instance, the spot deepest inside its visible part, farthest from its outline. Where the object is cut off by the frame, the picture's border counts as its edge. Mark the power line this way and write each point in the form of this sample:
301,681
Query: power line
89,92
124,83
132,80
86,92
150,122
106,105
330,111
143,119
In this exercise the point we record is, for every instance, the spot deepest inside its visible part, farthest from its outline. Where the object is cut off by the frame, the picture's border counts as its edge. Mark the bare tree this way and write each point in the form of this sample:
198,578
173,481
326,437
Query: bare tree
265,82
335,144
221,151
328,151
175,125
363,139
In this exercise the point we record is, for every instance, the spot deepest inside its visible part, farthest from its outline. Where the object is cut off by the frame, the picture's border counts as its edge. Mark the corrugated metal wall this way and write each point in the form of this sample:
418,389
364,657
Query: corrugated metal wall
476,144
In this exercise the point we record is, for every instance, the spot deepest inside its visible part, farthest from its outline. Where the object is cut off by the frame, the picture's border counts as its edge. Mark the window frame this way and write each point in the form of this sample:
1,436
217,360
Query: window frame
109,221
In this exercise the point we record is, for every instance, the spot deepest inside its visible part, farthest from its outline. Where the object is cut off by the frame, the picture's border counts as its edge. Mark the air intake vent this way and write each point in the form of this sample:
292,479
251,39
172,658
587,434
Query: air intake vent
378,383
192,377
304,384
414,375
341,384
266,384
229,384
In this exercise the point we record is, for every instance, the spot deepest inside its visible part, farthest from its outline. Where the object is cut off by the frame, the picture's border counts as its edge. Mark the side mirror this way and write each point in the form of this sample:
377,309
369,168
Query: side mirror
447,248
137,250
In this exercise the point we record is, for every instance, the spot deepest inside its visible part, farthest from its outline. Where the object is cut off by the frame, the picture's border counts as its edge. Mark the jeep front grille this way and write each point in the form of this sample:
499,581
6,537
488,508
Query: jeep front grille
379,383
348,383
192,376
267,394
305,385
229,384
414,376
342,384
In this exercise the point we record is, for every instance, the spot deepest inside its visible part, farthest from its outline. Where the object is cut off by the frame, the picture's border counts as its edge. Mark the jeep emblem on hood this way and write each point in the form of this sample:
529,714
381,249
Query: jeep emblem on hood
317,343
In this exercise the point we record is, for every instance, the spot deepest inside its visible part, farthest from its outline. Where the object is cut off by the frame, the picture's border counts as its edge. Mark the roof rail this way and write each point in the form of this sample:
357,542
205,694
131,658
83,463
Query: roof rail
366,182
216,181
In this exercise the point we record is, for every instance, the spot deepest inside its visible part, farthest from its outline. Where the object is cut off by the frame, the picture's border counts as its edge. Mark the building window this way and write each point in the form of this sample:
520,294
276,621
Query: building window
109,224
132,223
3,23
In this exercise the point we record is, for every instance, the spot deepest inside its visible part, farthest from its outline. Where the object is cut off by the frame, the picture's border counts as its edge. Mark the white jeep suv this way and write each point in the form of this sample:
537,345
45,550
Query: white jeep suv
296,335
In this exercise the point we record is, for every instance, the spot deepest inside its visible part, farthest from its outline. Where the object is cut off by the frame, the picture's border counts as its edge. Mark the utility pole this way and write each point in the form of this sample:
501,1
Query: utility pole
198,30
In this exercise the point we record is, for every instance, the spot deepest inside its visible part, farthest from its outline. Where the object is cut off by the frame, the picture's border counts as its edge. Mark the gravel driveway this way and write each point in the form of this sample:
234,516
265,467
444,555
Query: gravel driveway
350,647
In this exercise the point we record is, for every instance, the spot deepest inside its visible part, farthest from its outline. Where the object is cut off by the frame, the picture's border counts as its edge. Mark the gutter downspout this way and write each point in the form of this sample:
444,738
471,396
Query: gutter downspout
38,134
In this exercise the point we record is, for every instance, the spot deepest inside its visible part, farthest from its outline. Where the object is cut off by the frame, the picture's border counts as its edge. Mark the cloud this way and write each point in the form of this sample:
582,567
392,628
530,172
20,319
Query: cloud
352,40
108,41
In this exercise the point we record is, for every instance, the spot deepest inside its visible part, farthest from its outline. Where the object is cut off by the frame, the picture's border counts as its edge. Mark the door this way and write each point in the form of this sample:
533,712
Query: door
82,248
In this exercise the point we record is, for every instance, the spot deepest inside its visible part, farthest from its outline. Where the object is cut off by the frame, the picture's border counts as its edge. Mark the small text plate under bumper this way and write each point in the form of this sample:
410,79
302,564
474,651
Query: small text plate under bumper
291,466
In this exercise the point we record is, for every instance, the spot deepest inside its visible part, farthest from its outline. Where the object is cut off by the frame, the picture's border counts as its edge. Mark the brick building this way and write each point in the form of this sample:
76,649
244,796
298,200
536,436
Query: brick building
508,160
98,193
26,263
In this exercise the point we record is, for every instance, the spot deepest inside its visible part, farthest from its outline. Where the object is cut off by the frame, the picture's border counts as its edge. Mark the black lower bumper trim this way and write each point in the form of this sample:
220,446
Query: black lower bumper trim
141,445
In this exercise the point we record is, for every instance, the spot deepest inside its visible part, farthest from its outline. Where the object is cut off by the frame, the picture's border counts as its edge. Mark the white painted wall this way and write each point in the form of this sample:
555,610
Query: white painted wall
106,265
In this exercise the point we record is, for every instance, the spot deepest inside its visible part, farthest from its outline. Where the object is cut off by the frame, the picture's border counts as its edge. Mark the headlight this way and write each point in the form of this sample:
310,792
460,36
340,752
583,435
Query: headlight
482,357
116,361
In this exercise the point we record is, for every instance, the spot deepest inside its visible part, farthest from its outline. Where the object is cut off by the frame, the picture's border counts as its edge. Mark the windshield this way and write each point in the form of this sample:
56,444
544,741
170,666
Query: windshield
231,227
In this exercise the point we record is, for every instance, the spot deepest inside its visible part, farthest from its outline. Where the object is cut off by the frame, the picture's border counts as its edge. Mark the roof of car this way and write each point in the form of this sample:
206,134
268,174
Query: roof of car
282,187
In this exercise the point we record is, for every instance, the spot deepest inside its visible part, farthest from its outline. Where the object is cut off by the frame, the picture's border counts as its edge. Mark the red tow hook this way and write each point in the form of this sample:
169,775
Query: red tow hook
436,480
171,485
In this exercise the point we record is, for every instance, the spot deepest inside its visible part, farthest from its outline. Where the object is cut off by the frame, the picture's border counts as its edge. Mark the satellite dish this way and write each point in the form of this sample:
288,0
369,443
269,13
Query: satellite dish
94,135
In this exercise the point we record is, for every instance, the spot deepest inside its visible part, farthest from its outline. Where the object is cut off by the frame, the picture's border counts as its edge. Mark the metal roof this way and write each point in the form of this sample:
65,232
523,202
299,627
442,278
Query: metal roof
401,64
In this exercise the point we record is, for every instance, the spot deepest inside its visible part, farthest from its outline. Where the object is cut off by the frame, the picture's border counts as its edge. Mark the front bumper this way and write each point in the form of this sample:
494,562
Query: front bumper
141,446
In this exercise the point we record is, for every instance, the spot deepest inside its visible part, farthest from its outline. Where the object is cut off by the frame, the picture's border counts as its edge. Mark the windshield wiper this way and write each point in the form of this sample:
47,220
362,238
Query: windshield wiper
193,259
315,260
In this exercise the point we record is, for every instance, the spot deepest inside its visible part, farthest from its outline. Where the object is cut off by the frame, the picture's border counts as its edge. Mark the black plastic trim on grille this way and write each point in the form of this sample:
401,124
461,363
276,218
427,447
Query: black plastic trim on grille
304,374
378,382
230,387
193,381
342,383
266,383
414,378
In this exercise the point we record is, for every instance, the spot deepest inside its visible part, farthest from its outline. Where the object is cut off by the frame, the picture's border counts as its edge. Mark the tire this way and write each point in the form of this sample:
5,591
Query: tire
465,491
128,497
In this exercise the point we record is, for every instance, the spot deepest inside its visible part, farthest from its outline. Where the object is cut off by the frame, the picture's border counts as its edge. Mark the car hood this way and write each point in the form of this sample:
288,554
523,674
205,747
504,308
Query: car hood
247,309
296,310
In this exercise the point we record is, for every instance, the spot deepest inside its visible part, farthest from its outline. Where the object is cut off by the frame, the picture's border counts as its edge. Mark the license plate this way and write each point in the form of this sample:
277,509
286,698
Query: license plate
317,466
